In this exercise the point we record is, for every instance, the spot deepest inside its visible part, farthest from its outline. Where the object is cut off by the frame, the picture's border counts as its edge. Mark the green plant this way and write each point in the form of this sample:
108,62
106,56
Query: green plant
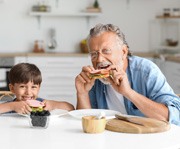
96,4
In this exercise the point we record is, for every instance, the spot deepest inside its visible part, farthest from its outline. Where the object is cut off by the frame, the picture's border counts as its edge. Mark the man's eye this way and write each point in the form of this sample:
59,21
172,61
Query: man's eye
93,53
34,86
106,51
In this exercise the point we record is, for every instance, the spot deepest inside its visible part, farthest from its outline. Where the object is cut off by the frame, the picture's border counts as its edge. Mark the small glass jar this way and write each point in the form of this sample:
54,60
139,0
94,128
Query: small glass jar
39,46
167,12
38,121
176,12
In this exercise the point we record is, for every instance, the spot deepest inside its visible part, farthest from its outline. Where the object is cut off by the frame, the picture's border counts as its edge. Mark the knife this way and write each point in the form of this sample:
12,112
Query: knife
131,119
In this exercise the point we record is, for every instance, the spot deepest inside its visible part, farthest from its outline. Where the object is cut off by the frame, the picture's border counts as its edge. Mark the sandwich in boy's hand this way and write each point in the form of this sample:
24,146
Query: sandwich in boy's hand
35,105
99,73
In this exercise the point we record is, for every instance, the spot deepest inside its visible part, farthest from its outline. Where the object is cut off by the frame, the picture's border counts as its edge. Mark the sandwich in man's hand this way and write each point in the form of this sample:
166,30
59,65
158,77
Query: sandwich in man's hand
99,73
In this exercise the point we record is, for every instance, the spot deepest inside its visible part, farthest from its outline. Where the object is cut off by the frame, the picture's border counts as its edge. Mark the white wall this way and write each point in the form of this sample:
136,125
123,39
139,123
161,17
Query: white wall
18,30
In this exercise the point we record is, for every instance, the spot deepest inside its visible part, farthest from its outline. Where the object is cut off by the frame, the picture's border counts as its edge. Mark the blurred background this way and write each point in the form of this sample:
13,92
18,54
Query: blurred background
52,33
20,26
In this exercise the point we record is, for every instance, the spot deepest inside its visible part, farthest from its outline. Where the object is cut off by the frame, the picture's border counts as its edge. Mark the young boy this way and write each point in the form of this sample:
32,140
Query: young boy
25,81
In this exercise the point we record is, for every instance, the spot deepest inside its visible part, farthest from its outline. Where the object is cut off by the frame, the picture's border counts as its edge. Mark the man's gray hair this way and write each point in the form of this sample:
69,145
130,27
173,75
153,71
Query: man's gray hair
101,28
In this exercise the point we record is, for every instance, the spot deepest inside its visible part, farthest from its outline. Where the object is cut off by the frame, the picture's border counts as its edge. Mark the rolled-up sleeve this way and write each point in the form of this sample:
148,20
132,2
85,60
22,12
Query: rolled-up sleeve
174,111
161,92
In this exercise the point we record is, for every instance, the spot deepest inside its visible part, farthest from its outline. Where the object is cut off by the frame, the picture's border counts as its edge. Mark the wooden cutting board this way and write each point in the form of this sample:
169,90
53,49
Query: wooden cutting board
136,125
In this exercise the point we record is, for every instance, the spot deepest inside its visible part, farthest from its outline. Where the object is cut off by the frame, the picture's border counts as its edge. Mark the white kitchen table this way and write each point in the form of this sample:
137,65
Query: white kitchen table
66,132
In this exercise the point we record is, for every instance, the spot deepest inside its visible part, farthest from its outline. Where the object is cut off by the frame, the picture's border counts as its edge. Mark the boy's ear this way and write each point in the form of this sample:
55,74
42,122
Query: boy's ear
11,88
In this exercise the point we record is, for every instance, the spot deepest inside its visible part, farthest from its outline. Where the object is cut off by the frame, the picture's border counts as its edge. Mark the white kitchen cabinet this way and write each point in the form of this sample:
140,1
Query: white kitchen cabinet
19,59
172,73
58,75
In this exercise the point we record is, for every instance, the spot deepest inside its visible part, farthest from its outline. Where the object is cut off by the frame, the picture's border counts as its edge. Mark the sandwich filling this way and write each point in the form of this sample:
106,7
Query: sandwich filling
100,73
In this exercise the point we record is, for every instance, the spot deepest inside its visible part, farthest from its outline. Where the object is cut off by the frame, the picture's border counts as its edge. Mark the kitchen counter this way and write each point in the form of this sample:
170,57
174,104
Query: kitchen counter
146,54
173,58
168,57
41,54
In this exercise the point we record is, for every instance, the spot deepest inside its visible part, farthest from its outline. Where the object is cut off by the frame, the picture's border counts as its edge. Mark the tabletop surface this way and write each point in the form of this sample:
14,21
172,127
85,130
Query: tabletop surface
65,132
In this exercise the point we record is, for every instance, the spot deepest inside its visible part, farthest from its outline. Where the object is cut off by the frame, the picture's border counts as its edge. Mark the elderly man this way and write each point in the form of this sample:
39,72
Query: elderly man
135,86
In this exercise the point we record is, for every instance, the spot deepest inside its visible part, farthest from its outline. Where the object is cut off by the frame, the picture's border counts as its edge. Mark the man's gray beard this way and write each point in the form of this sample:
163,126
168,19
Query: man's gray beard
104,80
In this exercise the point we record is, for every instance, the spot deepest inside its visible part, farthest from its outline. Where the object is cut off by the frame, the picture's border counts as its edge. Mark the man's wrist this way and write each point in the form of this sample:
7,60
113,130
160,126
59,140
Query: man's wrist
82,95
130,94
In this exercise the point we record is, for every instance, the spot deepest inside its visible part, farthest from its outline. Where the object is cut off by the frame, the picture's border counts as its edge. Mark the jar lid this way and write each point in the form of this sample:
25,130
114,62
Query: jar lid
168,9
176,9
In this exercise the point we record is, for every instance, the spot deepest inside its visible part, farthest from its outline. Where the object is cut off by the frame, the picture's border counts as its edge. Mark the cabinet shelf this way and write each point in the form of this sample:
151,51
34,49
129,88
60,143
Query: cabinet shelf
169,47
167,17
85,14
65,14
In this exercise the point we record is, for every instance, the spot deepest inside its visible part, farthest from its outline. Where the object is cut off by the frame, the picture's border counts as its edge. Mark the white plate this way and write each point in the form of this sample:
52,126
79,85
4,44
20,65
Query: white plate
58,112
54,113
95,112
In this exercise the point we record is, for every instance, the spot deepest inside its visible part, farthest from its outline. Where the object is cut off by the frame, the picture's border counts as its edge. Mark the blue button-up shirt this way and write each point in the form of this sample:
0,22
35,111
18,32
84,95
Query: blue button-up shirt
146,79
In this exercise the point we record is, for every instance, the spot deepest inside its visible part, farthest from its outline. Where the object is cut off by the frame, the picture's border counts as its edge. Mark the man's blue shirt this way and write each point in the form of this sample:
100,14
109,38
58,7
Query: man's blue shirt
146,79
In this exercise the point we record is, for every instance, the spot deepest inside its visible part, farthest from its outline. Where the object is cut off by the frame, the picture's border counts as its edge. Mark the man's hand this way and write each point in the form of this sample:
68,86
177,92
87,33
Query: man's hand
83,82
119,79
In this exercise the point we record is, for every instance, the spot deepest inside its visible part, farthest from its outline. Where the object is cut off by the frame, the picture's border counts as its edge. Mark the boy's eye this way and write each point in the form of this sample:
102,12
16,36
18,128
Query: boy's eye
22,86
34,86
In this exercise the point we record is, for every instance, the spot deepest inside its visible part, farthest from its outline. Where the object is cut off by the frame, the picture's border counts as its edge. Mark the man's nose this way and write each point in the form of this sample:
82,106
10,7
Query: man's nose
100,56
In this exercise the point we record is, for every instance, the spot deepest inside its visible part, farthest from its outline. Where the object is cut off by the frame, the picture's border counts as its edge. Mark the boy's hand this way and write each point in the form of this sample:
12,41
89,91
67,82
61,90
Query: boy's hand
21,107
49,105
52,104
